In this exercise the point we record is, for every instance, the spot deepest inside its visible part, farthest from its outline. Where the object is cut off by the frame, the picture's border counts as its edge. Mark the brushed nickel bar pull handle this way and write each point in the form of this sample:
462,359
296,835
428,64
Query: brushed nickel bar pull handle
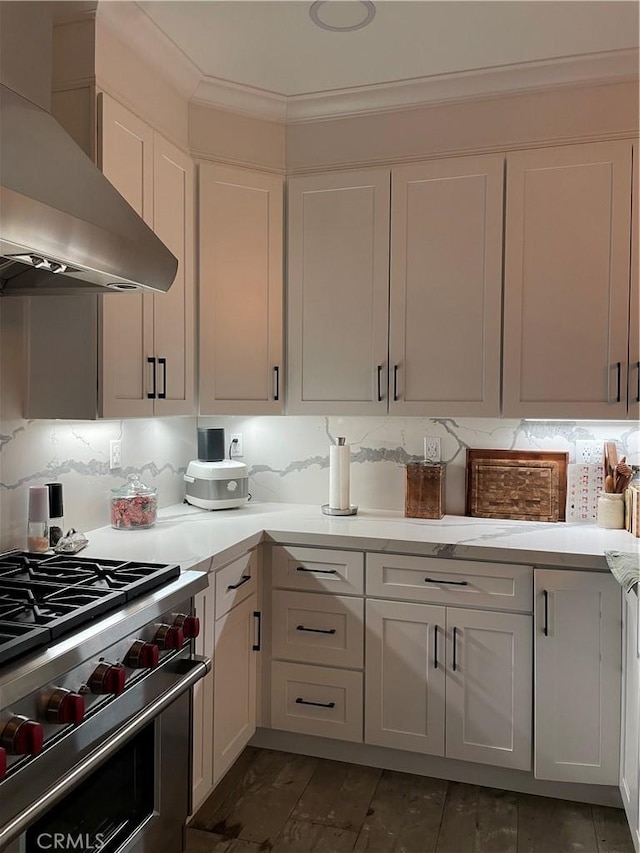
152,396
455,650
300,701
162,395
242,580
545,627
257,614
317,571
435,646
395,381
316,630
452,583
379,383
276,373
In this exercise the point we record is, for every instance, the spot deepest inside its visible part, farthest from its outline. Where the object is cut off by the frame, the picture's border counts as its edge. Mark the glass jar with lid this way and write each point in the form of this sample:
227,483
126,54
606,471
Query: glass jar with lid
134,506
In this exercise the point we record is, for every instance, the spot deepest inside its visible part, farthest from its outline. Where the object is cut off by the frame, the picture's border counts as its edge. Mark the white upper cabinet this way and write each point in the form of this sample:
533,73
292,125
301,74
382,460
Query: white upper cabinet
566,298
338,291
147,359
446,286
577,676
241,291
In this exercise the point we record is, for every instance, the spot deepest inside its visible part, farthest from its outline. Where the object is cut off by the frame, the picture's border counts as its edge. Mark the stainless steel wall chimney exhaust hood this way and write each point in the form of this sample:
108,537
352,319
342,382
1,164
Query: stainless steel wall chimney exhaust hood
64,229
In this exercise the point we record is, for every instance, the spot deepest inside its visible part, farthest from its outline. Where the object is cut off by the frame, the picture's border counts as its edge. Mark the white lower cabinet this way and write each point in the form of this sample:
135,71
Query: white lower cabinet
203,702
577,676
449,681
234,691
630,734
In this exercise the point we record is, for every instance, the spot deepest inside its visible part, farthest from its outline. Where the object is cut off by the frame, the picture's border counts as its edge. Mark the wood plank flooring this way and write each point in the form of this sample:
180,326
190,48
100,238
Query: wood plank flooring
284,803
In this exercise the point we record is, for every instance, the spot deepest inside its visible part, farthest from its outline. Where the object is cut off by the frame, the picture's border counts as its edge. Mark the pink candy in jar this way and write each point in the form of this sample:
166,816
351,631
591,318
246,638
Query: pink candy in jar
134,506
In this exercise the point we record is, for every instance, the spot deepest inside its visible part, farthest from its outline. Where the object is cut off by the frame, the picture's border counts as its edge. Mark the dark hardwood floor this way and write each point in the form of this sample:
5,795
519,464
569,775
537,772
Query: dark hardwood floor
284,803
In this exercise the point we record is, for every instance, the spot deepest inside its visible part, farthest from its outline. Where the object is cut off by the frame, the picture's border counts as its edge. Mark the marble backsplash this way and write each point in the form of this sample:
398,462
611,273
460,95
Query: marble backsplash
288,457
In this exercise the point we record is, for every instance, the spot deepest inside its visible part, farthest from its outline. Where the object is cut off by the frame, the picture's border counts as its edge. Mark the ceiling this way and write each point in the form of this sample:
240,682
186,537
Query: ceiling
273,46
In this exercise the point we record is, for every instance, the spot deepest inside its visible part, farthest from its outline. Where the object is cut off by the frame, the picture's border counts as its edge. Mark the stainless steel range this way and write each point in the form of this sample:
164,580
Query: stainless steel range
96,666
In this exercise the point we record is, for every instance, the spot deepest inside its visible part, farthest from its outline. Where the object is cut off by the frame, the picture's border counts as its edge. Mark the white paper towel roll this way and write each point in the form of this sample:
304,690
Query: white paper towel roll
339,461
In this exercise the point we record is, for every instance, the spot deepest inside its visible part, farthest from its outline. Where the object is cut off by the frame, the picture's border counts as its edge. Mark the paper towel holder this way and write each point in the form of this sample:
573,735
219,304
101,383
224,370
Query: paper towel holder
328,510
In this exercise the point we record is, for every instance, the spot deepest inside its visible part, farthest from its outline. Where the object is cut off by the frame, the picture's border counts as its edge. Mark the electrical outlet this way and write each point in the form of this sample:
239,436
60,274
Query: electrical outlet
432,449
115,453
589,452
237,448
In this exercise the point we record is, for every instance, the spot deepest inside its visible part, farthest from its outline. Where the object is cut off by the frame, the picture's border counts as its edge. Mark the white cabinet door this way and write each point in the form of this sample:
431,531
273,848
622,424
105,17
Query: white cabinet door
405,676
446,287
173,312
630,740
566,298
203,701
488,692
234,689
338,291
241,291
577,676
125,155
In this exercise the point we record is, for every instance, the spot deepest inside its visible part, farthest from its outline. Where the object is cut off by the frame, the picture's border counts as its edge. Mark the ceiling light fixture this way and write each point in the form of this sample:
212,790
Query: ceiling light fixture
338,15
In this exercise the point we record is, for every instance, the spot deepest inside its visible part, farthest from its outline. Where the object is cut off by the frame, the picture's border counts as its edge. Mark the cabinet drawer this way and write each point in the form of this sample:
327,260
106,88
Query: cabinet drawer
316,700
464,583
318,570
235,582
322,629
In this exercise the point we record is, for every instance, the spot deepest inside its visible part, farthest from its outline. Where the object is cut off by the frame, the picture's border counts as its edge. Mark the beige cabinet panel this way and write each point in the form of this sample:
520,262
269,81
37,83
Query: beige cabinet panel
446,287
630,734
633,392
488,692
234,690
566,299
203,701
241,291
125,155
338,285
405,676
317,569
577,677
235,582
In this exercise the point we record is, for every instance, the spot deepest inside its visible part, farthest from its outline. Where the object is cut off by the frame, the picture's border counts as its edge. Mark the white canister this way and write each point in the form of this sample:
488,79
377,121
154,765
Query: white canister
610,512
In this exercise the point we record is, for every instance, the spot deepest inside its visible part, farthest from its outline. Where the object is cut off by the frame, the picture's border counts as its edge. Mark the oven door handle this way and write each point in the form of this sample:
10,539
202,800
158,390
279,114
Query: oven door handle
196,668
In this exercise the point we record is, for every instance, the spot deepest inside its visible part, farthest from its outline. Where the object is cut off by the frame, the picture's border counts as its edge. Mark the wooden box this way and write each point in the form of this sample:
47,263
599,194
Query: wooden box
424,491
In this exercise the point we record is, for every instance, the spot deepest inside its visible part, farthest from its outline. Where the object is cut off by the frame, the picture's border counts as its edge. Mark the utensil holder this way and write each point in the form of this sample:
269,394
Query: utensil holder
425,490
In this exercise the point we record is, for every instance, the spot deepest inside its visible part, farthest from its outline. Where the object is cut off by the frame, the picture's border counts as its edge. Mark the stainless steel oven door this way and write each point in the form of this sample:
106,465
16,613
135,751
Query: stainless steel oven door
113,786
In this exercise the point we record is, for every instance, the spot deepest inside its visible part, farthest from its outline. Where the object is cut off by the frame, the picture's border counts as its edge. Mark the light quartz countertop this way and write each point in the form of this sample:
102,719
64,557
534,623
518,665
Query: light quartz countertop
204,540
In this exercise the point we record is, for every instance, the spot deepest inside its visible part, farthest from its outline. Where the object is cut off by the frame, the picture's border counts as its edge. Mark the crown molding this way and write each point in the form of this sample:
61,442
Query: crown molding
136,29
238,98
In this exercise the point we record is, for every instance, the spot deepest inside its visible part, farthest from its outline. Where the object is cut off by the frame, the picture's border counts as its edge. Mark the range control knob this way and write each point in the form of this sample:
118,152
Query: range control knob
142,655
190,625
3,762
21,736
63,706
169,637
107,678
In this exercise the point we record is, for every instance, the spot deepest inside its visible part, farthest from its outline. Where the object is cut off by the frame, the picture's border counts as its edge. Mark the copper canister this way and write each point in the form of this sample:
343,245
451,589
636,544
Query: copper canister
424,491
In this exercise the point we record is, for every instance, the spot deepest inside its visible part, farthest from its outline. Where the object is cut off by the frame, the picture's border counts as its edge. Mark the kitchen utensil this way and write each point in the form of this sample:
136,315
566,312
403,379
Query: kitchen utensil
608,484
624,473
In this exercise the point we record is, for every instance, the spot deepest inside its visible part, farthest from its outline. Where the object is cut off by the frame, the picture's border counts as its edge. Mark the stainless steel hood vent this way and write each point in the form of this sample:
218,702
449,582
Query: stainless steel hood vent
64,228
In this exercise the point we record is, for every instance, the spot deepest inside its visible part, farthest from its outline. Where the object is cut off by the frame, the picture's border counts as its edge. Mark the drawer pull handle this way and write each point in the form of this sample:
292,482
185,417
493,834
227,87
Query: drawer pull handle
257,646
396,368
318,571
545,628
435,646
379,372
162,395
154,393
453,583
455,649
316,630
242,580
300,701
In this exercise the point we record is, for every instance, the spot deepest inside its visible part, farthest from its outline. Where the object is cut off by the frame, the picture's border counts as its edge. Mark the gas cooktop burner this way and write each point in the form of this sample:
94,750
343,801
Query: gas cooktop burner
43,597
